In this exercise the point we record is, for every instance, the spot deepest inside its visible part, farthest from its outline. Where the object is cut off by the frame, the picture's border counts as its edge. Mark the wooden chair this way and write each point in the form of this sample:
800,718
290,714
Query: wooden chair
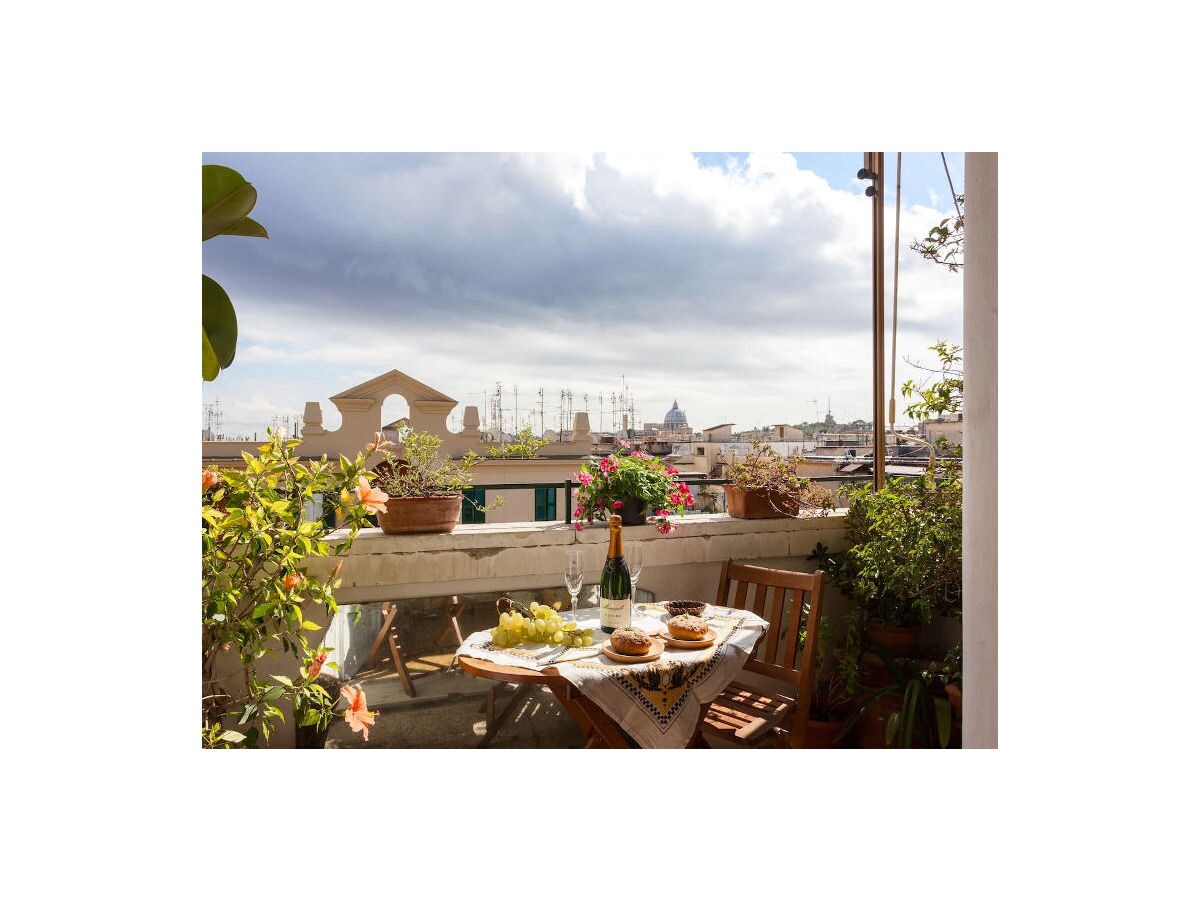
749,716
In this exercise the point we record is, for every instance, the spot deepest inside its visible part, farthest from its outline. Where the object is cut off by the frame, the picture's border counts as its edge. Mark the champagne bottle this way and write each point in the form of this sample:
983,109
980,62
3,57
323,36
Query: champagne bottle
616,600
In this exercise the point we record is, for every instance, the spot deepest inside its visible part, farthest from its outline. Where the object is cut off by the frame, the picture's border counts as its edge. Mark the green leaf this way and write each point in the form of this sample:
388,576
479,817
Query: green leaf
912,694
310,626
234,737
247,228
219,323
210,366
227,199
283,679
942,708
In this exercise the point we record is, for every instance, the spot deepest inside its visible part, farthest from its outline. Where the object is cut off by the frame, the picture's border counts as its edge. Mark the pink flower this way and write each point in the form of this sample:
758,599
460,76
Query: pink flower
663,512
671,470
688,501
208,478
641,454
373,499
358,717
314,667
609,463
674,499
664,527
379,441
624,444
617,504
579,526
585,478
292,580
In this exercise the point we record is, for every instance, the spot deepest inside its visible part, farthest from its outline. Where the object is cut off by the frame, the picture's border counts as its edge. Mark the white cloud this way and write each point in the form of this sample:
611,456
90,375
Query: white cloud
743,292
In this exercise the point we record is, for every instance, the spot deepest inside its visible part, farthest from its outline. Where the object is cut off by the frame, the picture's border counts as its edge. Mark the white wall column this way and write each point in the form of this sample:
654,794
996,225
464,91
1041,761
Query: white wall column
980,438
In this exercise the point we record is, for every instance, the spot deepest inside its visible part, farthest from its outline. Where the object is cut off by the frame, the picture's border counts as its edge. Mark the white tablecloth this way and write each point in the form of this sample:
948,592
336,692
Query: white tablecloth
658,703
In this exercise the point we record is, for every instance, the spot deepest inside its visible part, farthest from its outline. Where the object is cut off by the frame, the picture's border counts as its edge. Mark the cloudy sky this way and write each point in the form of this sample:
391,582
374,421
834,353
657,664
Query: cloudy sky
738,284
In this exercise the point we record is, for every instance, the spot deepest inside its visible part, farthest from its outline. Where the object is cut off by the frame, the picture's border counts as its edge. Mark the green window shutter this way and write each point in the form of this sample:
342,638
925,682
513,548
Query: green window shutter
470,515
545,504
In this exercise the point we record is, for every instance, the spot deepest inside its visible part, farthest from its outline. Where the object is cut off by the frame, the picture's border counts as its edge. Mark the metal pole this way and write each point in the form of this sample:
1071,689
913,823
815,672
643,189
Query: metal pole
877,326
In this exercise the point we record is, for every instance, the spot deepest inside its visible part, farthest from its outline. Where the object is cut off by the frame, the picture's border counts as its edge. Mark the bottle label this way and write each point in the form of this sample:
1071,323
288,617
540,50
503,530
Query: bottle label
615,613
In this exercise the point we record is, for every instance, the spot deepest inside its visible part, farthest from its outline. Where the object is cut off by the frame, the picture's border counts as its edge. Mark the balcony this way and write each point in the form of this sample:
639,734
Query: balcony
448,708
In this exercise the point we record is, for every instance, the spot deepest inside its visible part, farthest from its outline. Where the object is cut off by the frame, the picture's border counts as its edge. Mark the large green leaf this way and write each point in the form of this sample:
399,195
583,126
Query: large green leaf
247,228
942,709
220,328
227,199
208,359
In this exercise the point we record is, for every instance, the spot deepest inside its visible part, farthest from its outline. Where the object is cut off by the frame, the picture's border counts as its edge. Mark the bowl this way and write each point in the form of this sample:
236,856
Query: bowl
685,607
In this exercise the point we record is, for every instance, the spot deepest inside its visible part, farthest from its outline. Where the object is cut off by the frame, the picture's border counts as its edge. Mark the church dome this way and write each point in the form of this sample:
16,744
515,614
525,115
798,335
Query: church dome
675,417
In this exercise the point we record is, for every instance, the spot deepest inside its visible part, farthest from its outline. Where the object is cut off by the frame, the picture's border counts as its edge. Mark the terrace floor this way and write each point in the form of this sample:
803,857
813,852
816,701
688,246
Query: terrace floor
448,710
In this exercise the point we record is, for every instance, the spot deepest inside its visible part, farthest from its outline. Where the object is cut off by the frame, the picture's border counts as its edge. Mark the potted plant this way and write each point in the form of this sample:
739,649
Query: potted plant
767,485
523,446
949,673
314,710
829,702
258,597
904,562
424,490
638,486
913,705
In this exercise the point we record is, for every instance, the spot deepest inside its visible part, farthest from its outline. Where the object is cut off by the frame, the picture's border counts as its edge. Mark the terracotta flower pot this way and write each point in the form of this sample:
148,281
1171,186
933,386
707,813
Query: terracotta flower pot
954,692
902,641
820,735
421,515
756,504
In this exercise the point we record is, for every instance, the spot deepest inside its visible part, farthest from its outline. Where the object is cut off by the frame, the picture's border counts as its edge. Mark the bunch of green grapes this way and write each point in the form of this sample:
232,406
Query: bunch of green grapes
543,623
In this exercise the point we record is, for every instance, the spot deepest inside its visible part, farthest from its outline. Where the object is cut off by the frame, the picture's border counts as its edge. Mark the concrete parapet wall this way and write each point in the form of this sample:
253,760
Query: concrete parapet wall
513,556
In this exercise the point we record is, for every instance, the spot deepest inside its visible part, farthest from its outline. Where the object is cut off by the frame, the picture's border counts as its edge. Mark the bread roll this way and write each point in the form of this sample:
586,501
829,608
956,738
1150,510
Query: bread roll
630,641
687,628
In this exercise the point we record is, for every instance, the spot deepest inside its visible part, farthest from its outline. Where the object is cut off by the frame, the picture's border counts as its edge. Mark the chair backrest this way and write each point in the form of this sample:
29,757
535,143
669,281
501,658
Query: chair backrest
791,603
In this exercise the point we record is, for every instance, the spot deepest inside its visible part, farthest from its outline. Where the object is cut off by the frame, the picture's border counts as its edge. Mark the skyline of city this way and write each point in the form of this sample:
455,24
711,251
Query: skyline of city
601,416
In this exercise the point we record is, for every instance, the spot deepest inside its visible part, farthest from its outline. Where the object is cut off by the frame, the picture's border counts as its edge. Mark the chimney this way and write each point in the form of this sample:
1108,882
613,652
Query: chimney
582,427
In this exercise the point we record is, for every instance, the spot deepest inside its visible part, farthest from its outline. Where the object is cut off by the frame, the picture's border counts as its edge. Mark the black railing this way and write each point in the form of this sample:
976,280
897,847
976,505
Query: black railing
568,484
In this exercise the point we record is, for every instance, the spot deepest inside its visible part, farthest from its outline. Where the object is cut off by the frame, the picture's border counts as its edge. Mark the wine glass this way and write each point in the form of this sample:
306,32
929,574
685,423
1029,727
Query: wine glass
633,559
573,576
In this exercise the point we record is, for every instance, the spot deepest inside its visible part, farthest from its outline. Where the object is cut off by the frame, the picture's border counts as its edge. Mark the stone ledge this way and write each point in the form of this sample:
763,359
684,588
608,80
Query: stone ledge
512,556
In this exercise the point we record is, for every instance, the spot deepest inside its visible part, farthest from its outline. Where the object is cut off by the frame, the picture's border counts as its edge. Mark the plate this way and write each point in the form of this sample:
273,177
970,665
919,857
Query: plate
656,649
706,641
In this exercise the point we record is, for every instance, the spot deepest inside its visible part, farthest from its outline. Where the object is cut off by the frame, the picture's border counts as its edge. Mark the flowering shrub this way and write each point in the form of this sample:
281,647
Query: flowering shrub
256,538
604,484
